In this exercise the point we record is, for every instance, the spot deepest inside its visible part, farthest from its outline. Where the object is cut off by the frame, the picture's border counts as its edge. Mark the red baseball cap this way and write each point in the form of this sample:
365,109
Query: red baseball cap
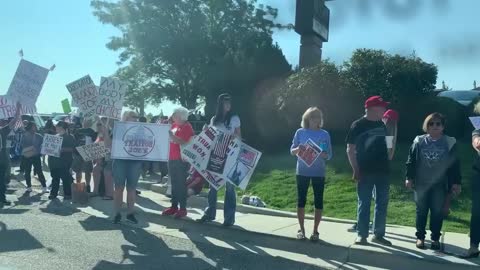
391,115
376,101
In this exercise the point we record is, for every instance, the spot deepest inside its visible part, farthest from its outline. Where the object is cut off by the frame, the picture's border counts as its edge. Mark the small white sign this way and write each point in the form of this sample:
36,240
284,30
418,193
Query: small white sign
93,151
52,145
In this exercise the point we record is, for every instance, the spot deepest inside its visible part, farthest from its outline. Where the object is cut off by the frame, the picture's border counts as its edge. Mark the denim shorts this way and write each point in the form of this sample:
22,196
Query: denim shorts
126,173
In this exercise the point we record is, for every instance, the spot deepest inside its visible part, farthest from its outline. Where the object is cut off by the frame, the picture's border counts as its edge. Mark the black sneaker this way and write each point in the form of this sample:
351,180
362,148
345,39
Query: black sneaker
435,245
381,241
353,228
362,241
131,218
204,219
117,219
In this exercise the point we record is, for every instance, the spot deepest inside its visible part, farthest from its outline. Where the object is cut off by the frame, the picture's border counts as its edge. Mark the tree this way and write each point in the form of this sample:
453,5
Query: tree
195,48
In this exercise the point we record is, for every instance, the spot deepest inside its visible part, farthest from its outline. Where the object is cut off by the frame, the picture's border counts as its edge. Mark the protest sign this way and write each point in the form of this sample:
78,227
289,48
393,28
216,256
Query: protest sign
475,121
52,145
140,141
241,172
309,152
66,106
220,153
93,151
8,107
111,94
84,95
198,151
27,83
215,181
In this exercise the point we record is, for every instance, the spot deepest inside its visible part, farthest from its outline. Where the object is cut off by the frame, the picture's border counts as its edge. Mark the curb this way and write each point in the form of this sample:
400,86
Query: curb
202,201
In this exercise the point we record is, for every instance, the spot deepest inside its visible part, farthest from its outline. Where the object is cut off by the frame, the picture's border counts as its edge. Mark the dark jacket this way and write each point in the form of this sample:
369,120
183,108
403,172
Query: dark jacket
453,173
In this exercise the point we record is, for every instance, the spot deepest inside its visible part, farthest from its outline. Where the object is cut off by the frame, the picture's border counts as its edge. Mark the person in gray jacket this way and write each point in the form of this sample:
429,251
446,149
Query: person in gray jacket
433,172
32,146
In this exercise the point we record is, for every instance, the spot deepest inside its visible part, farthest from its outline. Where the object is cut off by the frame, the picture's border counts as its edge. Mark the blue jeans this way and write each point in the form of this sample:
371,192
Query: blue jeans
126,173
229,207
364,191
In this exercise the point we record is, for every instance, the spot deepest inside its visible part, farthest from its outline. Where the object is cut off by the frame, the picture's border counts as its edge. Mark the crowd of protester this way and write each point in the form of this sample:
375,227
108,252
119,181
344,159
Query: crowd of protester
432,168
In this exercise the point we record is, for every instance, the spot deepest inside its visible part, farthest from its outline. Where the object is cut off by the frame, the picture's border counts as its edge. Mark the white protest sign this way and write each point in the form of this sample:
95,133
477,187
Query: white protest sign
93,151
8,107
52,145
197,151
215,181
84,95
27,83
309,152
224,153
140,141
241,172
111,94
475,121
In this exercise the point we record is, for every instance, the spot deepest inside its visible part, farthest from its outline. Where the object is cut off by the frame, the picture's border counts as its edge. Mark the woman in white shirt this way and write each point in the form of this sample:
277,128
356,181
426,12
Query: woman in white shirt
229,123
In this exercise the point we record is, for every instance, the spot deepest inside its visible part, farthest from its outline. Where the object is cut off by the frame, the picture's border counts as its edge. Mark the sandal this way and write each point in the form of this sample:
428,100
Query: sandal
315,237
301,235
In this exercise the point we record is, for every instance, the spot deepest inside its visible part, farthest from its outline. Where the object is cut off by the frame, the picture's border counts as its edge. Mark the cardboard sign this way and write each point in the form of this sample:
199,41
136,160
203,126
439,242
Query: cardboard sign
93,151
219,155
8,107
27,83
52,145
215,181
475,122
66,106
84,95
198,151
309,153
140,141
241,172
111,94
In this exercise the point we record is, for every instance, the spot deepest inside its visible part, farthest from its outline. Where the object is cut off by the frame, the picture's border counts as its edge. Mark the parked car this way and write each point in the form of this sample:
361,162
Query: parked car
464,97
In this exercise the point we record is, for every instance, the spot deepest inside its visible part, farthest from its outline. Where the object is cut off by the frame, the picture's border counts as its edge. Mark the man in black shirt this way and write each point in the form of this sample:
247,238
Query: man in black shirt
368,155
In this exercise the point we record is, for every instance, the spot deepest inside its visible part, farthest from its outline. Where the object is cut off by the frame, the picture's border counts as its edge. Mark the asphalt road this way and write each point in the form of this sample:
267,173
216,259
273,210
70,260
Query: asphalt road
39,234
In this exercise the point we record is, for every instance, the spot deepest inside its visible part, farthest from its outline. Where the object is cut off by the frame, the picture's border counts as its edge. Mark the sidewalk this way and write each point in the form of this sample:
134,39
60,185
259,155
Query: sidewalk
278,232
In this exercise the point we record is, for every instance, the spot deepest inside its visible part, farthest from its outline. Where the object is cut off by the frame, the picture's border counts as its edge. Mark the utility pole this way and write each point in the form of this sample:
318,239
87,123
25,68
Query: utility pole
312,22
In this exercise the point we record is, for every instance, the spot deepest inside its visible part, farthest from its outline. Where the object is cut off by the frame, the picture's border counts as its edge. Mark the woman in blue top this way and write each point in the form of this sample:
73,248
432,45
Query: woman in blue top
314,171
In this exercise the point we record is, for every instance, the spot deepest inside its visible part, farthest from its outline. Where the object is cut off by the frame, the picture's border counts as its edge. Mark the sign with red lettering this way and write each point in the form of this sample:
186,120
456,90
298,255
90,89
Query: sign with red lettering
84,95
198,151
140,141
111,94
8,107
27,83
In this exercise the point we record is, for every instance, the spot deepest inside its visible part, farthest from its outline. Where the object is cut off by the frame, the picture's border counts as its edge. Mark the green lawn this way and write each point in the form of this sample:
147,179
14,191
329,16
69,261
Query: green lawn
274,182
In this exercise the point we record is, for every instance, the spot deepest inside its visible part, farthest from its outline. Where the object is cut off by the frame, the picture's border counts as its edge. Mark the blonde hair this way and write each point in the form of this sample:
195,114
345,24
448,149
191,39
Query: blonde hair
312,112
129,114
434,116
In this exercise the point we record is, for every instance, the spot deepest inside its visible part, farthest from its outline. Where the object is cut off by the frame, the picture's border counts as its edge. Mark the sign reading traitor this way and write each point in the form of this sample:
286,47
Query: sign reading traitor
111,94
52,145
93,151
140,141
8,107
84,95
27,83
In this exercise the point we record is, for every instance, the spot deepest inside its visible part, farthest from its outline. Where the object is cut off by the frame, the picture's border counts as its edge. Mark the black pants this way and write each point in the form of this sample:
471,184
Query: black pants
430,199
64,174
318,184
475,219
36,162
3,183
178,177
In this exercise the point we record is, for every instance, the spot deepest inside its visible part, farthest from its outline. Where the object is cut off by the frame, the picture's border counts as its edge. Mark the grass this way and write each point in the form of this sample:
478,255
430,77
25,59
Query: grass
274,182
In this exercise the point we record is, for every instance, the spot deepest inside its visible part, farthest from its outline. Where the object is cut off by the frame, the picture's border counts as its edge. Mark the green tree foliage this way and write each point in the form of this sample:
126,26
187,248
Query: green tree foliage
196,48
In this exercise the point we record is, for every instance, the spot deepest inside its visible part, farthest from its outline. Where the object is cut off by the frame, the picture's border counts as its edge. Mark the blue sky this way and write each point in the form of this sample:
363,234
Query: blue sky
66,33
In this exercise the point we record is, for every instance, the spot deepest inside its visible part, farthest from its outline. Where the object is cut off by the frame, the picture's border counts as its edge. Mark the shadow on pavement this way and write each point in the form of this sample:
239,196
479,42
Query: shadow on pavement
17,240
55,207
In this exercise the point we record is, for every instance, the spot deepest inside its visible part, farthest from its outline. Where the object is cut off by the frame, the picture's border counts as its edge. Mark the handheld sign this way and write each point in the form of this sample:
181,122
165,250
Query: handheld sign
93,151
111,94
66,106
475,121
27,83
84,95
197,152
309,153
140,141
52,145
8,107
241,172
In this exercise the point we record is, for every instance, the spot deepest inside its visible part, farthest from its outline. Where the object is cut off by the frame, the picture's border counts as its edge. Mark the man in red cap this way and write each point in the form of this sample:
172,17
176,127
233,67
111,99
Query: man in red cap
368,155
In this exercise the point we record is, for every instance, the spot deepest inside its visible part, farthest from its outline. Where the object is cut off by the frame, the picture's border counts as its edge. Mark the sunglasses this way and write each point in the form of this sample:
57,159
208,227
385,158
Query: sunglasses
438,124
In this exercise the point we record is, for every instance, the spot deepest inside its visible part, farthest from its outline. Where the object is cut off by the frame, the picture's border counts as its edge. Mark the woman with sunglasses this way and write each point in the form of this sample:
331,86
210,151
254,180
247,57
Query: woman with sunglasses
433,171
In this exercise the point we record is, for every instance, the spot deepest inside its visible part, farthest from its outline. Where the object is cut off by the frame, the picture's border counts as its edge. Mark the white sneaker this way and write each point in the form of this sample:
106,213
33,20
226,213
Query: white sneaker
29,189
44,190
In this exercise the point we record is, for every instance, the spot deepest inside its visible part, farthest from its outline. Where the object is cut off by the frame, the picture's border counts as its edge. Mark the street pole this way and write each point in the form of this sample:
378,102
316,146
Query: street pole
312,21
